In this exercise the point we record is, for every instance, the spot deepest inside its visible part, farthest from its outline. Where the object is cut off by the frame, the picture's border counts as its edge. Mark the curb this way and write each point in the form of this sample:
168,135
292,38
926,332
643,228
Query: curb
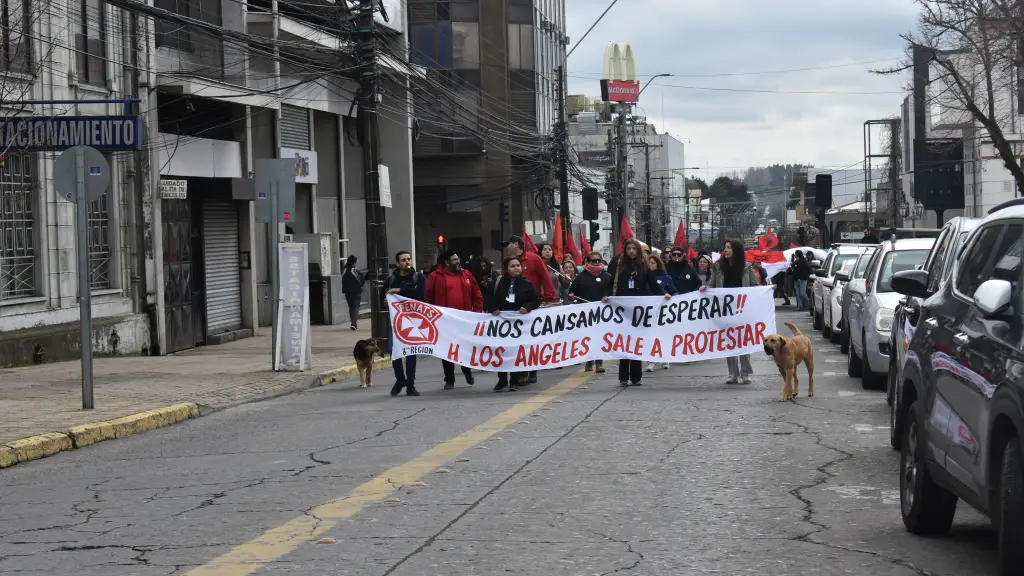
50,443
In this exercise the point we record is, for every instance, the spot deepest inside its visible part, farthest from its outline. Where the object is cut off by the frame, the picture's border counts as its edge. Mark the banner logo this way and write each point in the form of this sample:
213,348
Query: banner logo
415,323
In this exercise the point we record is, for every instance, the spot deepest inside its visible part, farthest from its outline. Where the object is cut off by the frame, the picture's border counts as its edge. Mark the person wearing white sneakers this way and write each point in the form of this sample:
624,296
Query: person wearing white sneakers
733,271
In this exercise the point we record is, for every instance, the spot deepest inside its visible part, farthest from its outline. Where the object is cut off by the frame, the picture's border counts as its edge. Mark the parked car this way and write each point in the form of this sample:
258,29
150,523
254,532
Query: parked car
871,312
939,265
834,297
960,406
837,256
854,285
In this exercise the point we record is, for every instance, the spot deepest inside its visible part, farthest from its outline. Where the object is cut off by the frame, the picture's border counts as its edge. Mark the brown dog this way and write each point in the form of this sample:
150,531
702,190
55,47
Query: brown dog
788,353
363,352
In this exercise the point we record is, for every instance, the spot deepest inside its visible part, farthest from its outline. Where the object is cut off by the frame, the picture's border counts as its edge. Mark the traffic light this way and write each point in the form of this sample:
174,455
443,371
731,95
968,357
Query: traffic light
590,204
595,233
503,210
823,191
440,240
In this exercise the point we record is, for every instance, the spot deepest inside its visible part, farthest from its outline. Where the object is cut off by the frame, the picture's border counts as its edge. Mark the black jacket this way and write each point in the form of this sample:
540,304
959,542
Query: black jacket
591,288
487,285
644,284
801,269
684,276
352,280
872,239
412,285
523,292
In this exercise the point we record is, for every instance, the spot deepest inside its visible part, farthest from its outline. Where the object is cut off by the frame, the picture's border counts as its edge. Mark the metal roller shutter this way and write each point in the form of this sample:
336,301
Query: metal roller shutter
220,259
294,127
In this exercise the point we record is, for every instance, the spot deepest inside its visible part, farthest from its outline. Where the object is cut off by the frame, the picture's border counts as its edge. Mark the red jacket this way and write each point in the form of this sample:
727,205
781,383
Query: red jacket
537,273
438,287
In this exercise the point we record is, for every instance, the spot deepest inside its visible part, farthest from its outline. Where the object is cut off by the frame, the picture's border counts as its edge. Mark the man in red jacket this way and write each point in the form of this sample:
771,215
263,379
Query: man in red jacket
452,287
537,273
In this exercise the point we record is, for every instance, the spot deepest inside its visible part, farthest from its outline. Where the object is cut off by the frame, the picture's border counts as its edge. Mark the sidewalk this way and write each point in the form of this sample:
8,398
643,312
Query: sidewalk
39,399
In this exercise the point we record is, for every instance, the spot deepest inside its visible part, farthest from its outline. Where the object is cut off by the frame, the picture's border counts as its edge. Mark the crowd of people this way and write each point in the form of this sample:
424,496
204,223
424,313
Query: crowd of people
527,280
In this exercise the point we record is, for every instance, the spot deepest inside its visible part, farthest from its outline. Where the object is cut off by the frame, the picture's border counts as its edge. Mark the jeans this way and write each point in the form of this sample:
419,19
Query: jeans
353,299
631,370
407,375
449,372
739,366
802,301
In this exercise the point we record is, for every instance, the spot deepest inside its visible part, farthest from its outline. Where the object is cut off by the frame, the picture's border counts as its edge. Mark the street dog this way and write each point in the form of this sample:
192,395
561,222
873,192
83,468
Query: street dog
788,353
364,352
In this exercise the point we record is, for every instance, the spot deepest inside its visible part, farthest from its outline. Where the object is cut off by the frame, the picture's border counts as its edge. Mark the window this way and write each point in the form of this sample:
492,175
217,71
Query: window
520,46
862,265
520,11
898,261
432,45
970,275
465,45
465,10
16,28
938,259
443,10
174,35
99,243
90,47
17,228
840,261
169,33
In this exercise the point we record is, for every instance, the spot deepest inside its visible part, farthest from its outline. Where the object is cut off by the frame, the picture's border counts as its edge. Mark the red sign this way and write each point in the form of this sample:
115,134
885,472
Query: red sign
414,322
620,90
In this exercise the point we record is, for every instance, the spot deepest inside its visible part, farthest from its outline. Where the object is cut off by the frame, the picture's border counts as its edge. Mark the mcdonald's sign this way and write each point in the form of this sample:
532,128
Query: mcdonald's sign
620,90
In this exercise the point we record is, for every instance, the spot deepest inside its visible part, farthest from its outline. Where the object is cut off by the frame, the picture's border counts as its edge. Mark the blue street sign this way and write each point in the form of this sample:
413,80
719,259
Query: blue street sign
36,133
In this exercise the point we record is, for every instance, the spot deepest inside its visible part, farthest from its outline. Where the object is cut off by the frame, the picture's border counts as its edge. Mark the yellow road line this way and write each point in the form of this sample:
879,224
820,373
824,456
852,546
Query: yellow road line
278,542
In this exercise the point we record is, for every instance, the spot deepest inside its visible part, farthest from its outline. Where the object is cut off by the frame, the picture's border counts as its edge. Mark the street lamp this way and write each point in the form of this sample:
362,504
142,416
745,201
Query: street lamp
651,80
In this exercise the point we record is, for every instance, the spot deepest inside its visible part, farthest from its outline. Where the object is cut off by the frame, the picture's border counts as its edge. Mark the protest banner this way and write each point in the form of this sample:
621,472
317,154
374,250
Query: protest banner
717,323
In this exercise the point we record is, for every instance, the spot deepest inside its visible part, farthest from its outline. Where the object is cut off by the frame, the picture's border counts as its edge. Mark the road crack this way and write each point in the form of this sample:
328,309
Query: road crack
317,461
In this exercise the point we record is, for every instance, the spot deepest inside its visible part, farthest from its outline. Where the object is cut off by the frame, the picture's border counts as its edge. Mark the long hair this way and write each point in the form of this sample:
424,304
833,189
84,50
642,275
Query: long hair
738,261
637,262
661,263
550,262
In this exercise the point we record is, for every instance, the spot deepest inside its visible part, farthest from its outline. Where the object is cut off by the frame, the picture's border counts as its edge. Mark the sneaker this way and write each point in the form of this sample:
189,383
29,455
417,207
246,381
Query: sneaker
513,389
470,380
589,368
745,380
500,386
397,388
353,326
637,384
650,367
731,381
623,384
665,366
599,369
449,385
530,380
411,390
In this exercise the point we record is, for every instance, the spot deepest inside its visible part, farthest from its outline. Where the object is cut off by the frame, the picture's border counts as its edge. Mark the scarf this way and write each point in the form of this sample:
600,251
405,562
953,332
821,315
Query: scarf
595,269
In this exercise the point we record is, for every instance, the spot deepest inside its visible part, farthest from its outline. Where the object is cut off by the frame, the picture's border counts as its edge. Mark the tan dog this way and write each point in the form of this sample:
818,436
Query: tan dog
363,352
788,353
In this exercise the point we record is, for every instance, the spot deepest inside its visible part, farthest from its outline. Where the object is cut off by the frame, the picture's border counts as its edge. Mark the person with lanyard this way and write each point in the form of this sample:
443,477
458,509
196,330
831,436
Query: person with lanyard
631,278
733,271
593,284
405,281
514,293
656,268
537,273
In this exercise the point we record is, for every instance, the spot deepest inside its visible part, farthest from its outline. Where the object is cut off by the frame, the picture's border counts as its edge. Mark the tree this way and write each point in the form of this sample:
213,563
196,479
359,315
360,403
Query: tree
697,183
976,45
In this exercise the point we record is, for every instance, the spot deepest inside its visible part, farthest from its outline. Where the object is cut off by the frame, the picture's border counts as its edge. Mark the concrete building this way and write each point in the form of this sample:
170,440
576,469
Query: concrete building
172,273
483,138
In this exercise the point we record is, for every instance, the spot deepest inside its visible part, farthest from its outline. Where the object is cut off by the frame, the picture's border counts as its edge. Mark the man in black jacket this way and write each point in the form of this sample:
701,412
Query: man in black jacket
406,282
684,276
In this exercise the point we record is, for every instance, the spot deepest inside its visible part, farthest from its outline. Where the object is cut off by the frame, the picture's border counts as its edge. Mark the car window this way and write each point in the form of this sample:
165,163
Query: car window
872,269
1008,255
839,261
898,261
970,274
828,261
862,263
939,255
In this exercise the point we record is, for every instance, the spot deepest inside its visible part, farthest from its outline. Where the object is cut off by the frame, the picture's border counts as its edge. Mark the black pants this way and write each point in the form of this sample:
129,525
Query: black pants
631,370
449,371
509,378
406,373
353,299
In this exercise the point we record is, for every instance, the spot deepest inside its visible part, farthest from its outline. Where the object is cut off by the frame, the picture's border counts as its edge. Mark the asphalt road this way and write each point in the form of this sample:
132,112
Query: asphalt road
682,476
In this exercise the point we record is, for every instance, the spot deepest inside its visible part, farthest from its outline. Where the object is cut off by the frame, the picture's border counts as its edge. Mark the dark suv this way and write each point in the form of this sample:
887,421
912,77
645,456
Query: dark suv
961,400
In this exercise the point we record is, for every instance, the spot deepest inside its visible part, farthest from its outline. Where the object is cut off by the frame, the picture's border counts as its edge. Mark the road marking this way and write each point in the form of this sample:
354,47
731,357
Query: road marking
888,497
830,374
845,393
869,429
278,542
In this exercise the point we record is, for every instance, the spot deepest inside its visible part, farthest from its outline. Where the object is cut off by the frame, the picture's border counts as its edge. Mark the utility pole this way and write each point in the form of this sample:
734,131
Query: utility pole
376,224
647,185
622,176
563,159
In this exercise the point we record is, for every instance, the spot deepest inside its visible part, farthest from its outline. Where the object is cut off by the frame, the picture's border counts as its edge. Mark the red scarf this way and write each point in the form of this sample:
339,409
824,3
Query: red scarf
595,269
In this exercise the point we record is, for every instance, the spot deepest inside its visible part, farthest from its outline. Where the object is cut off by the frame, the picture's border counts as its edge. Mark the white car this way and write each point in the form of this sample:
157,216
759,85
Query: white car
871,311
838,255
854,286
834,296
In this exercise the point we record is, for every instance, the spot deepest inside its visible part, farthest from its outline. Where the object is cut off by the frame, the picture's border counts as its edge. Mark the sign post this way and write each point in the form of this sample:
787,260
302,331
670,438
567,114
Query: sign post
275,202
82,175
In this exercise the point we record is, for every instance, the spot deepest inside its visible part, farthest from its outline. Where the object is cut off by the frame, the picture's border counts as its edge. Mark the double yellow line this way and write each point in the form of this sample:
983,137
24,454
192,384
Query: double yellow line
279,542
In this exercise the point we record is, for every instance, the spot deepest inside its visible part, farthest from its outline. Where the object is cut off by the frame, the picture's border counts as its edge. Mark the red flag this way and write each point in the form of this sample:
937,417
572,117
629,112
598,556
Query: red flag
556,240
692,253
528,243
571,249
624,232
791,245
680,240
768,241
765,257
584,242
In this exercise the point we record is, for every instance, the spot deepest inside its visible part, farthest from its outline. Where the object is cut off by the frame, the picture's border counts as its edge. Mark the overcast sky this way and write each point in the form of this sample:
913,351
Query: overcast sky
736,126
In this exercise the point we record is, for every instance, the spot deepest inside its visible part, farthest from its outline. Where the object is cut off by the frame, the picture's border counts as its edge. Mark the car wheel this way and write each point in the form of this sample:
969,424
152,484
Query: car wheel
816,325
826,327
834,337
844,336
1011,511
927,508
868,379
853,364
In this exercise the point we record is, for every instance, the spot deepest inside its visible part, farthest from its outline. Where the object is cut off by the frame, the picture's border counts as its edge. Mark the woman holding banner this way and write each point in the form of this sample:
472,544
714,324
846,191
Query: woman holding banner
632,278
733,271
513,293
656,267
593,284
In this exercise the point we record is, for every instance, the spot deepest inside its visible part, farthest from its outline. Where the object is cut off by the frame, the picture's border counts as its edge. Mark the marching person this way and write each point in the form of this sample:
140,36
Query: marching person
486,277
536,272
452,287
513,293
593,284
704,269
656,267
801,274
408,283
632,278
569,273
352,281
733,271
685,277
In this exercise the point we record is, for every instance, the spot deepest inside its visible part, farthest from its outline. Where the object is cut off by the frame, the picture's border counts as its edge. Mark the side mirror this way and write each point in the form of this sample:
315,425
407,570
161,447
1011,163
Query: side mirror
843,276
993,296
819,273
912,283
814,264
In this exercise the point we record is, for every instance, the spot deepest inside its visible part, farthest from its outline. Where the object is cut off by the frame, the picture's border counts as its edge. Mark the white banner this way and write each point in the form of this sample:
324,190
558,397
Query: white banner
717,323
